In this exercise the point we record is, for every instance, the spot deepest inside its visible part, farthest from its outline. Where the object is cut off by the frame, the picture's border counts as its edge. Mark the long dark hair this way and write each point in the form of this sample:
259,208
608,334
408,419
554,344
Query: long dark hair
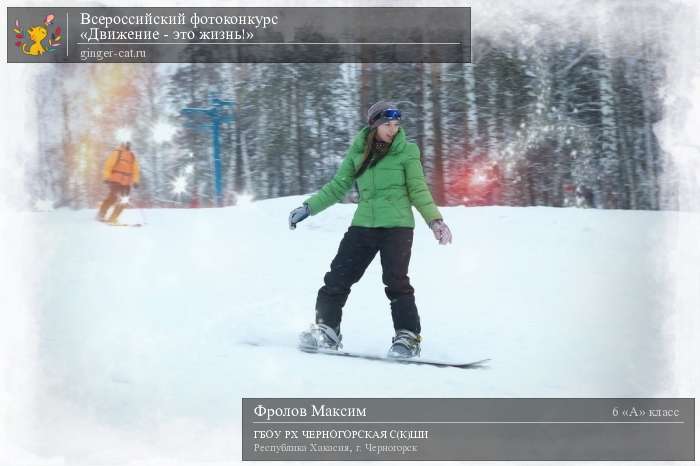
371,136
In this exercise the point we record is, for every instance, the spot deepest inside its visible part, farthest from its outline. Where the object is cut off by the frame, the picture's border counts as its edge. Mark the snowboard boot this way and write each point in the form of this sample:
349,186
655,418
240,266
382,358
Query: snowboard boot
320,337
405,344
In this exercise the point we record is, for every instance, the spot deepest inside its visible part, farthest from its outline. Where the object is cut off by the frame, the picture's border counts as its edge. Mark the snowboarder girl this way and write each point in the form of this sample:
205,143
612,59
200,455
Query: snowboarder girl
389,177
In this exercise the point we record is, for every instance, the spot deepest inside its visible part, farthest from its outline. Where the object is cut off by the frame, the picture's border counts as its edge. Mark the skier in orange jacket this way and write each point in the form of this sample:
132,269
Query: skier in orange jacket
121,172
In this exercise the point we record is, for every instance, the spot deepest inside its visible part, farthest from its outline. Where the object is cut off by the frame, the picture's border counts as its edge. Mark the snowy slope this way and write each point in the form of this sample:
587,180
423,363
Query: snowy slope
143,326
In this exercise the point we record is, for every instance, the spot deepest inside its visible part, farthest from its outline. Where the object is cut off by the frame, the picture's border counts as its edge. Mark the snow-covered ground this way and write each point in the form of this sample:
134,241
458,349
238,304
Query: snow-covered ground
144,333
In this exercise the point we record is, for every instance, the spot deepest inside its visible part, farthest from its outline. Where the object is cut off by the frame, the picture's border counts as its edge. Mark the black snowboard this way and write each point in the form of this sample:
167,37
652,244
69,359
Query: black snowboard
381,358
416,361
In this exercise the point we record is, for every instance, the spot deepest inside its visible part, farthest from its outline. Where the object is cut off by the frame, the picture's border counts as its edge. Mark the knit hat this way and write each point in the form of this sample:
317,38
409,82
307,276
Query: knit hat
374,114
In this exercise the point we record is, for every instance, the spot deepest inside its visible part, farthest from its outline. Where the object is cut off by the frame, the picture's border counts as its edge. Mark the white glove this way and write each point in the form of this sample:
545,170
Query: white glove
441,231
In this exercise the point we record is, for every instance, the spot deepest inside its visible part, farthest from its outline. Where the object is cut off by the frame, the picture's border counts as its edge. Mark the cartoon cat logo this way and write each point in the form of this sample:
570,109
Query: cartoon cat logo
37,34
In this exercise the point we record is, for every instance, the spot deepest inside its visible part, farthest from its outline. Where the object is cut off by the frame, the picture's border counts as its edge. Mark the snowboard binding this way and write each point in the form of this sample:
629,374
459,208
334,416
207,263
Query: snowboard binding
320,337
404,345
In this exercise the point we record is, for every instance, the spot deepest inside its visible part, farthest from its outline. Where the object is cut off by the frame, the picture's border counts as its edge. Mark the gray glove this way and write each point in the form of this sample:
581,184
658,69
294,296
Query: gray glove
441,231
297,215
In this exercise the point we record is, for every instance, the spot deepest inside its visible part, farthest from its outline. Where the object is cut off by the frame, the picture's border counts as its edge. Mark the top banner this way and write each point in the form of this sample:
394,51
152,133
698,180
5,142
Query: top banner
238,35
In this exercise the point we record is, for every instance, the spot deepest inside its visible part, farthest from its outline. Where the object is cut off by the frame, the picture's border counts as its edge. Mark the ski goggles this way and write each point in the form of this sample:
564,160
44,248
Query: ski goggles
388,114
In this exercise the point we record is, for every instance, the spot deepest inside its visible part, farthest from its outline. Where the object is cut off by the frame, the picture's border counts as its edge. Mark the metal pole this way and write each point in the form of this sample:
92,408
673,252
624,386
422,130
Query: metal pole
216,117
217,162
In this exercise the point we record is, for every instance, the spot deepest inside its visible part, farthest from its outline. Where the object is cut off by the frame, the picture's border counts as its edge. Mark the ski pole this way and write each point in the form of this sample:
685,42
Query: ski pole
143,217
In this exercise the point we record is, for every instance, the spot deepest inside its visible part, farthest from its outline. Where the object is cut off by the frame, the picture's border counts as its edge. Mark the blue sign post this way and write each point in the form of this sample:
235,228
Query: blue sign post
213,117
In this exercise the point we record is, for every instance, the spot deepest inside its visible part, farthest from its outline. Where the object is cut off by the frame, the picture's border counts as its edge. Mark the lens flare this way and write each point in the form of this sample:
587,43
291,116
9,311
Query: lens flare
179,185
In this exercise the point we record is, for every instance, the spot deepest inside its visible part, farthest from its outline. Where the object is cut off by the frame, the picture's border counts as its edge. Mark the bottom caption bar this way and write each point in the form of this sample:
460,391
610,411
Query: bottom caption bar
468,429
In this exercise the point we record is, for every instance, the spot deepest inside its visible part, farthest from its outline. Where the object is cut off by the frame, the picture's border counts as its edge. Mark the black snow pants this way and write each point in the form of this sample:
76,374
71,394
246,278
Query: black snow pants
356,251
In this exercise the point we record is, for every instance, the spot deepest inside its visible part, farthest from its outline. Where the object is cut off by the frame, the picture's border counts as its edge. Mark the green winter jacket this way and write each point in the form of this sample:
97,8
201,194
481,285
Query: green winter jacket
387,190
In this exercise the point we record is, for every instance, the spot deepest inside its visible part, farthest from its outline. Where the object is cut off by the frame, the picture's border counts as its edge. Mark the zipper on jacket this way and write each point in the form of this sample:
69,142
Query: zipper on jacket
374,197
